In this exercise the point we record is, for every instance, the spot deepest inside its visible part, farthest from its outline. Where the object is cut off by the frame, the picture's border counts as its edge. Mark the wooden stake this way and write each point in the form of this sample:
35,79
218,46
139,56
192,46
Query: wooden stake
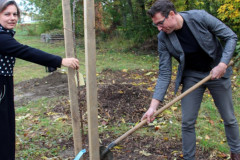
73,93
79,76
90,51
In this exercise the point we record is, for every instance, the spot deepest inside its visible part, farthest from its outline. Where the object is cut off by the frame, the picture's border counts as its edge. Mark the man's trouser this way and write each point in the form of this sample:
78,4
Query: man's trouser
221,92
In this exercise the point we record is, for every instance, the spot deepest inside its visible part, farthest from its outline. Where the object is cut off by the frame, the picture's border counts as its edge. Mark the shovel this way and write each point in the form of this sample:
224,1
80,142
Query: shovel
106,154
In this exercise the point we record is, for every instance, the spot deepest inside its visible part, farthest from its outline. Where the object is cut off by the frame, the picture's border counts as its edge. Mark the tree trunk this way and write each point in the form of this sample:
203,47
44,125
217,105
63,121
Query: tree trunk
142,5
207,6
187,4
131,9
99,17
116,21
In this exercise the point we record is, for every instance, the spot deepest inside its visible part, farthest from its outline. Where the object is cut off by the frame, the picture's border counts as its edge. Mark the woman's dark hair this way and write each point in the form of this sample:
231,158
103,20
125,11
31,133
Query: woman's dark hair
163,7
5,3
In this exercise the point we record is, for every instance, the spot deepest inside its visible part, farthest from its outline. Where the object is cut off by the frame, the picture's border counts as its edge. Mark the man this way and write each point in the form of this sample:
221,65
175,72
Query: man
191,37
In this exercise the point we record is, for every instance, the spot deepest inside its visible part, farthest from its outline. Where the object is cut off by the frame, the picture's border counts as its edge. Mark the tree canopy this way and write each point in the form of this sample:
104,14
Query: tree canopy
128,18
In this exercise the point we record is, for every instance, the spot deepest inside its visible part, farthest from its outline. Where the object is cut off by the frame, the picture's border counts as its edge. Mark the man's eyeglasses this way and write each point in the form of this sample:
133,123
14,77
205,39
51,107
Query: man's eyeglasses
159,24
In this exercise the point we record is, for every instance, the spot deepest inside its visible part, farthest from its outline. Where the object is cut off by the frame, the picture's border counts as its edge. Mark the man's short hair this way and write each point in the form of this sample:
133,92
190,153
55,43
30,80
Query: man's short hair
163,7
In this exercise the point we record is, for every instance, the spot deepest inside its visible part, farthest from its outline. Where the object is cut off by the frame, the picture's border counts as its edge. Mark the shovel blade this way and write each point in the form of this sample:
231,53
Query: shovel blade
107,156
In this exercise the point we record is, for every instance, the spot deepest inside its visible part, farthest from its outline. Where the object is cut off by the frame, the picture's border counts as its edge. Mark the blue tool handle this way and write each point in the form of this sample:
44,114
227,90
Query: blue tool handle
80,154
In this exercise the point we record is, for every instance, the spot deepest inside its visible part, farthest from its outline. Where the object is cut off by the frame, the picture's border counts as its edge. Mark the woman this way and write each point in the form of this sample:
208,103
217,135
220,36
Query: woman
9,49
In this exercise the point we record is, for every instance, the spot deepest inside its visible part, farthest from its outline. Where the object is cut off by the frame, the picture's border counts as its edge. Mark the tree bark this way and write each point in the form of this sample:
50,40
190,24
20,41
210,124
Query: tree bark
131,9
142,5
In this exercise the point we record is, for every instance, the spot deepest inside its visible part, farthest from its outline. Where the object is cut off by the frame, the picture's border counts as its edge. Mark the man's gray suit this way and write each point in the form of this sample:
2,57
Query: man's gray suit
207,30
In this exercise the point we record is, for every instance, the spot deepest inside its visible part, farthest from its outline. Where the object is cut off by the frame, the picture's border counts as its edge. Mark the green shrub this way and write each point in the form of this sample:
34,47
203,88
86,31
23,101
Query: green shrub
237,55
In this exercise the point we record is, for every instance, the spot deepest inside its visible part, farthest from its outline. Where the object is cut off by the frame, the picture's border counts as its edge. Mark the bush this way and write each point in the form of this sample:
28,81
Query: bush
30,29
237,56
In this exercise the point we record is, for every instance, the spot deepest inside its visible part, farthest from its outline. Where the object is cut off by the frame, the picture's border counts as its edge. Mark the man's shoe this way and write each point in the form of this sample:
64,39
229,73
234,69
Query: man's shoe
235,156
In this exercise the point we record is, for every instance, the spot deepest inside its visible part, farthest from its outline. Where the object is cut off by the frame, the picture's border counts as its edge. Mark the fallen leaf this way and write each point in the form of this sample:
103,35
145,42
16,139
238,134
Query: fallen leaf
199,137
118,147
25,134
174,152
145,153
123,120
124,70
223,141
211,122
222,155
60,118
154,79
174,108
52,113
157,128
165,139
22,117
107,113
207,137
121,92
137,123
166,112
150,89
104,123
149,73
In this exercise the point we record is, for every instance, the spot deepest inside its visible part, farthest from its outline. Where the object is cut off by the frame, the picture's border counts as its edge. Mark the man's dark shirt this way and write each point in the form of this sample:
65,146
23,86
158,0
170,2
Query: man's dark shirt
195,58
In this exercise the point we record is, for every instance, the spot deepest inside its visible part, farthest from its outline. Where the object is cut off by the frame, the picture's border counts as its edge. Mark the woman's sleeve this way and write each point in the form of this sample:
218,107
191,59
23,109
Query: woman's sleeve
10,47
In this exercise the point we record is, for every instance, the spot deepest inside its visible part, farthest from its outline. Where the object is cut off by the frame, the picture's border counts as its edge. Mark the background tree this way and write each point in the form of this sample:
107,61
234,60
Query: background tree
128,18
229,13
50,14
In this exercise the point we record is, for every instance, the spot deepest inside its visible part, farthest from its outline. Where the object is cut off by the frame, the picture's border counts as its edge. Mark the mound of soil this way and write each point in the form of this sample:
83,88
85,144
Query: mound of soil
53,85
121,95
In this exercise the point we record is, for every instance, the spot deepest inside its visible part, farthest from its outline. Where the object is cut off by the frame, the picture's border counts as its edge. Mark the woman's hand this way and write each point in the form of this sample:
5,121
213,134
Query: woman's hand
70,62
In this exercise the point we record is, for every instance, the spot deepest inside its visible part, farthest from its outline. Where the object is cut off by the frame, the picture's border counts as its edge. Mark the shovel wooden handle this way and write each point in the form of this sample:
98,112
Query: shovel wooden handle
166,106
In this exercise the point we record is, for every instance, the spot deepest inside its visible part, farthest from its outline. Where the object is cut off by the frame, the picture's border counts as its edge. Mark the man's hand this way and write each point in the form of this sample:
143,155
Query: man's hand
150,112
70,62
149,115
218,71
